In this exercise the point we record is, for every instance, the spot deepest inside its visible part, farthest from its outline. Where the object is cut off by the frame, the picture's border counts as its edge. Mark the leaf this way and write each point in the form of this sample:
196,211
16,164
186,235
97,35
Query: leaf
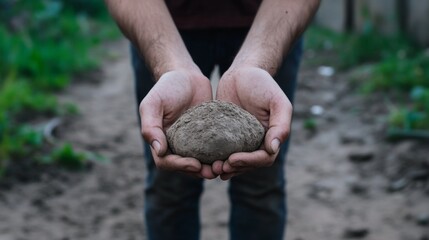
66,156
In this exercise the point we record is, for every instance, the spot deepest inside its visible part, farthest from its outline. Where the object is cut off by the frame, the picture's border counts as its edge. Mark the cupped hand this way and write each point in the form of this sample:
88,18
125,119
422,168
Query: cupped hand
174,93
256,91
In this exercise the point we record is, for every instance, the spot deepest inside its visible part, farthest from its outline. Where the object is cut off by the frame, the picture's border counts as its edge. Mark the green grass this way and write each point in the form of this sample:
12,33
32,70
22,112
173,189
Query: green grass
401,74
409,77
18,141
43,44
372,47
356,48
415,115
310,124
66,156
397,68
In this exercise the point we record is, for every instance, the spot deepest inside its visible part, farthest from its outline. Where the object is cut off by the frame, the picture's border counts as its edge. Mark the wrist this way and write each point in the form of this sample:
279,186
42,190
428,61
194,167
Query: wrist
240,67
254,59
188,75
172,65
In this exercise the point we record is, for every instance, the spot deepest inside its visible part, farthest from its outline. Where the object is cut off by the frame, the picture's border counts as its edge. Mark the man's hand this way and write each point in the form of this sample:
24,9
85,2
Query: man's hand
255,90
180,84
175,92
248,82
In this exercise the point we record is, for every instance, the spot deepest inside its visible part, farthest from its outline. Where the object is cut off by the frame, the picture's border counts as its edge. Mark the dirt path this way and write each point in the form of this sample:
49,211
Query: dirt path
330,196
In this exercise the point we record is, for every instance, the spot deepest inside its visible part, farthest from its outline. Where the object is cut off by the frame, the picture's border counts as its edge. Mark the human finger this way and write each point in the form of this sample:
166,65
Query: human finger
172,162
227,176
279,124
217,167
207,172
151,119
258,158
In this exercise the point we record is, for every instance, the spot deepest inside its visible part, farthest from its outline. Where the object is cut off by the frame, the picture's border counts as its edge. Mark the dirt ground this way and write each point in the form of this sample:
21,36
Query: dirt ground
344,180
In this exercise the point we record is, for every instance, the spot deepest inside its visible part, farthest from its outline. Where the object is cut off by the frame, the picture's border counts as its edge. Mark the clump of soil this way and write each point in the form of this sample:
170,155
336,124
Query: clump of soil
213,131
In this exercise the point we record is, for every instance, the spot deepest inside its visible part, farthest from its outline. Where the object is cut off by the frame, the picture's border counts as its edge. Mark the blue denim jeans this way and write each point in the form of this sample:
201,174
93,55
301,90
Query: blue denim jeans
258,198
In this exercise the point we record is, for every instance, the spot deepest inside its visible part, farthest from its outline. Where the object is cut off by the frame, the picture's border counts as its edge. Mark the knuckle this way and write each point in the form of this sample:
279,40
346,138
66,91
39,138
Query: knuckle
270,161
163,165
238,163
146,133
158,164
142,106
285,133
266,161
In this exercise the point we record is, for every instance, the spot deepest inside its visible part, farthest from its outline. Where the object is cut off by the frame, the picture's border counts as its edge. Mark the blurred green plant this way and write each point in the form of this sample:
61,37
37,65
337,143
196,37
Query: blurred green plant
66,156
416,114
310,124
397,67
400,74
17,141
372,46
409,76
352,49
42,44
18,98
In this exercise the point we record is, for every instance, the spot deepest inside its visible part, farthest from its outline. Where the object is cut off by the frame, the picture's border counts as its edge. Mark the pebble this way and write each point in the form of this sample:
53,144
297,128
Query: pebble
361,155
356,232
320,191
352,137
422,219
358,188
317,110
419,174
398,185
326,71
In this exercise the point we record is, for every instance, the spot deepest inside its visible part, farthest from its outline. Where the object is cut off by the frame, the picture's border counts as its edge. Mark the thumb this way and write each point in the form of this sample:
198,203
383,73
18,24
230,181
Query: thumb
272,140
151,117
279,125
157,140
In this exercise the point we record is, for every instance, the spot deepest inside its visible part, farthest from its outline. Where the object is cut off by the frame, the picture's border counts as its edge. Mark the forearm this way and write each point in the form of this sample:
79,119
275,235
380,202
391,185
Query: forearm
148,24
277,24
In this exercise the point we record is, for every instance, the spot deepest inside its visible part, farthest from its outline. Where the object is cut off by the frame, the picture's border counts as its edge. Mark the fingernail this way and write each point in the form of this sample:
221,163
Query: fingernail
275,144
156,146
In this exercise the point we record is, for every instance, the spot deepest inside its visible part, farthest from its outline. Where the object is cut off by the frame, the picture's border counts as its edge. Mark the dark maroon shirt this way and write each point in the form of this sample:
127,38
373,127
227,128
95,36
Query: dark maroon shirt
204,14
